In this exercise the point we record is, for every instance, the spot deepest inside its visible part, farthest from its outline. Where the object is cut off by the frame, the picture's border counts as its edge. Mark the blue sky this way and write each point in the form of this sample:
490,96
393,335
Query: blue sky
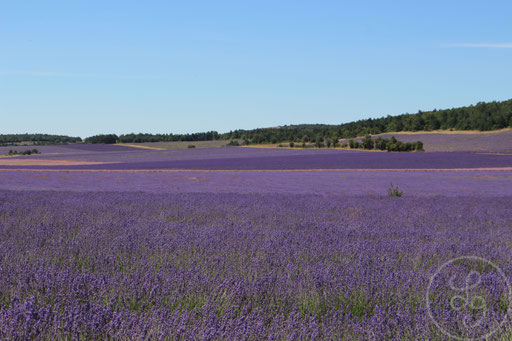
87,67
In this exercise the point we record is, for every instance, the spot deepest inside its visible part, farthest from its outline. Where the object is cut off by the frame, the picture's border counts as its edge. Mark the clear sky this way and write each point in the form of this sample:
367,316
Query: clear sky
87,67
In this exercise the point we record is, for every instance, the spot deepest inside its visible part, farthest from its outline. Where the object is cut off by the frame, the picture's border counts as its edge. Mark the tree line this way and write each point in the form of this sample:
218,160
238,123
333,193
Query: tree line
140,138
36,139
391,145
482,116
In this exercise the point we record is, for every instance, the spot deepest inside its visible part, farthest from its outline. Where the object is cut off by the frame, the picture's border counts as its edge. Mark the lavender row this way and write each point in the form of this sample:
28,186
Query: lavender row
250,159
234,266
421,184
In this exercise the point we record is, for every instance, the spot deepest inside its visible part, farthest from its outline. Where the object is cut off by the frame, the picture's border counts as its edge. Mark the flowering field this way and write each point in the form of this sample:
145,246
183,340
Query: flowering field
239,243
240,158
484,142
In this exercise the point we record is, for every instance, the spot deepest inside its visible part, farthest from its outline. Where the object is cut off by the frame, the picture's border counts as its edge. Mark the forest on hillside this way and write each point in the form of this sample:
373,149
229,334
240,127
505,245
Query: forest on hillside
36,139
482,116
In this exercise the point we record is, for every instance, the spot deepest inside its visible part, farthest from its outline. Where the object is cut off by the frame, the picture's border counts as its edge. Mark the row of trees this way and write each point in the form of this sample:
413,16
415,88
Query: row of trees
391,145
102,139
24,152
482,116
36,139
140,138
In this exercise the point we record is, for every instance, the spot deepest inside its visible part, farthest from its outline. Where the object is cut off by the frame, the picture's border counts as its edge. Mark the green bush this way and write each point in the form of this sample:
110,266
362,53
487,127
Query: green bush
394,191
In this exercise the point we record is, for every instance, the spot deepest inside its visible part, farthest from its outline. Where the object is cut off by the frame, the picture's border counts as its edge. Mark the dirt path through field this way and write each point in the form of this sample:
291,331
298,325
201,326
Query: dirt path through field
495,169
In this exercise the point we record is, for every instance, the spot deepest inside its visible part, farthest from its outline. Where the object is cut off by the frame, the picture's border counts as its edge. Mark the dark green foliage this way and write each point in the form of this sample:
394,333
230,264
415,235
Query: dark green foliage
368,142
353,144
37,139
24,152
391,145
381,144
191,146
334,141
394,191
139,138
233,143
319,142
482,116
103,139
292,144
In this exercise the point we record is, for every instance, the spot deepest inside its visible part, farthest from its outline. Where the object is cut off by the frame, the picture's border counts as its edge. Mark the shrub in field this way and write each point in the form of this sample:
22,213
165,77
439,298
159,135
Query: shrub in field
394,191
24,152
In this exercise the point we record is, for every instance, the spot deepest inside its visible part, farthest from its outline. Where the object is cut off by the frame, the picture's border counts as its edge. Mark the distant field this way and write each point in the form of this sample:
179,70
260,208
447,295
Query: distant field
117,157
458,141
111,242
179,144
75,149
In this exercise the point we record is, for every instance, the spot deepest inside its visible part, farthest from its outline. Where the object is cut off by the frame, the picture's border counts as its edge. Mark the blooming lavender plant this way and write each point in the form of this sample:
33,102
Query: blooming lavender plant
234,266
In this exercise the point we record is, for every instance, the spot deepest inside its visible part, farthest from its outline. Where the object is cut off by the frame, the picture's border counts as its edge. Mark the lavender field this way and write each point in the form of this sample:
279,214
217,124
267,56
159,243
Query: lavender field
118,157
253,244
482,142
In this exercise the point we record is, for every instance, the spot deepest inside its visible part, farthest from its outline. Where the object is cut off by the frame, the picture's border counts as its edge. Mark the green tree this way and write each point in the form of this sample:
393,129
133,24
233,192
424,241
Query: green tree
334,141
380,143
368,142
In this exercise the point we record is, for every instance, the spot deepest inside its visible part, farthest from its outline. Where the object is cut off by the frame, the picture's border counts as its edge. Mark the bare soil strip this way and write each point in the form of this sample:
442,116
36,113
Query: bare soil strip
46,162
140,146
495,169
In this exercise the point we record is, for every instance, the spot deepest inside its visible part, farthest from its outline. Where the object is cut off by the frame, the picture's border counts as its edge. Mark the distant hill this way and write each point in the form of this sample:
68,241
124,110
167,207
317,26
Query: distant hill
482,117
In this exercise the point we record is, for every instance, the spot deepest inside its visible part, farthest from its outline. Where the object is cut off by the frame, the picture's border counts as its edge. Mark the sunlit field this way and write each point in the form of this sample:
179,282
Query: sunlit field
248,243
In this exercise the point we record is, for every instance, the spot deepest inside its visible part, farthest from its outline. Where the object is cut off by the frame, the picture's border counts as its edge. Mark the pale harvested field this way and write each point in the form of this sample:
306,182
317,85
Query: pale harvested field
12,161
177,145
